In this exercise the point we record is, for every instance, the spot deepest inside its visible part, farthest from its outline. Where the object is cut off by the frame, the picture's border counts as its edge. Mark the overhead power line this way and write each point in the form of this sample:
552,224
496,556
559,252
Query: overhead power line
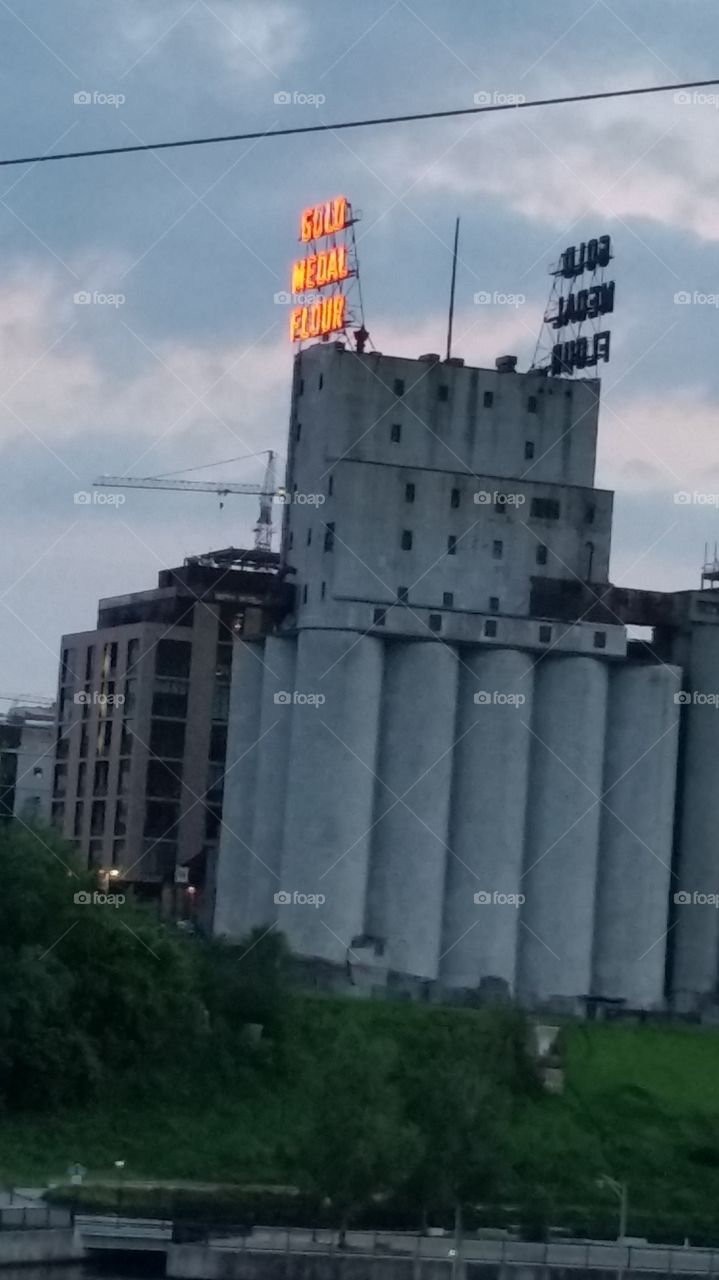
485,109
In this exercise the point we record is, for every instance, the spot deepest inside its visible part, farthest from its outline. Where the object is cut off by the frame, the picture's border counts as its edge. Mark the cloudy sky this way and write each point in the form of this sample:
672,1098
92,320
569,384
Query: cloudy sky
192,363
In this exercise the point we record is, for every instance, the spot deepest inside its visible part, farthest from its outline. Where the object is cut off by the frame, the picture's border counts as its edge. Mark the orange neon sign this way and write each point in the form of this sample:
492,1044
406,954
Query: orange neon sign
324,219
318,269
319,318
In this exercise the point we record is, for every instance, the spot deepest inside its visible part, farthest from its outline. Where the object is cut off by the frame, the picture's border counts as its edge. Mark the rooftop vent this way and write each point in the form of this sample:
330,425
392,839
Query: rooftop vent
430,357
506,364
455,360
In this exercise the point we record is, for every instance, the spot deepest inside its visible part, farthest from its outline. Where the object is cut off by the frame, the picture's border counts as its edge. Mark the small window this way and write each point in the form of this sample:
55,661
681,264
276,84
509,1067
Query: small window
448,599
398,387
541,554
490,628
443,391
403,594
379,617
330,536
291,541
545,509
494,604
409,492
305,593
435,622
532,404
321,381
545,635
451,545
302,387
600,639
298,431
323,590
454,499
589,513
395,432
330,486
500,503
309,536
497,549
406,539
529,449
488,400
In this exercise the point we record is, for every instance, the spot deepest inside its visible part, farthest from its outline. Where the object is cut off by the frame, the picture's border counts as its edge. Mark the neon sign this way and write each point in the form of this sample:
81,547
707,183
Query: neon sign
326,264
576,306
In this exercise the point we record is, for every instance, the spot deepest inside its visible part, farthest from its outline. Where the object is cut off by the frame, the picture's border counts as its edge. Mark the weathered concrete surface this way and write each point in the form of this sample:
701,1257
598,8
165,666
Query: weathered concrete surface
53,1245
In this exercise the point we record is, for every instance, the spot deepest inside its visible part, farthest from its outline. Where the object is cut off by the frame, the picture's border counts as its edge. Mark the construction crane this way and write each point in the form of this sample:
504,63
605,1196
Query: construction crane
266,492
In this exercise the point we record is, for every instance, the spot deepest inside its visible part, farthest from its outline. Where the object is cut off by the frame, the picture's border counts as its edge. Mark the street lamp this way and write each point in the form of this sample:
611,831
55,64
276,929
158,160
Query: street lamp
621,1191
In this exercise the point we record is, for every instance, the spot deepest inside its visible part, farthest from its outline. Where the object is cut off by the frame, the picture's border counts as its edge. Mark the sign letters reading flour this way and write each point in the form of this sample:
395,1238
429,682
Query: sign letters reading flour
587,297
326,265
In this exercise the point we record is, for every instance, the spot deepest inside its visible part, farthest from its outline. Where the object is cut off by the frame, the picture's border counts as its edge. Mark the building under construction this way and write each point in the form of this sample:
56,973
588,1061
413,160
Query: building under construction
448,769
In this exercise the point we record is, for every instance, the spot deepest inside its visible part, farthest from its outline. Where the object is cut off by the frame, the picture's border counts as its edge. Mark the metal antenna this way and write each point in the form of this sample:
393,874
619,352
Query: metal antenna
452,289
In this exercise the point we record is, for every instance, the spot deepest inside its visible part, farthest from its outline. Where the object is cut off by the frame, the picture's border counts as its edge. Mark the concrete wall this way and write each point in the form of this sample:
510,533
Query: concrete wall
17,1248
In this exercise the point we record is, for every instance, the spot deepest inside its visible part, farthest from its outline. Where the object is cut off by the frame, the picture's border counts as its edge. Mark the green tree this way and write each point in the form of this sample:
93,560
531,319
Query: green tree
358,1143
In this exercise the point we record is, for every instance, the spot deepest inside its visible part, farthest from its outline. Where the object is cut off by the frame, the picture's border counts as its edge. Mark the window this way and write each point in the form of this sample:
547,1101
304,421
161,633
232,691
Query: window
58,813
330,486
104,738
128,706
120,828
218,743
494,604
443,391
500,503
161,816
395,432
309,536
545,509
589,513
126,738
541,554
406,540
118,852
497,549
60,783
600,639
323,590
529,449
89,660
448,599
305,593
398,387
97,818
379,616
488,400
451,545
321,382
291,540
298,431
409,492
68,664
173,658
163,780
123,778
302,387
109,658
101,774
170,699
454,498
77,824
490,628
435,622
532,404
167,739
329,536
81,777
545,634
403,594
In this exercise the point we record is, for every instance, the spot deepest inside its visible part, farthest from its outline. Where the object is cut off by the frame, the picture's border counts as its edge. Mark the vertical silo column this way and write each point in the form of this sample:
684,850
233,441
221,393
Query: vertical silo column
489,797
235,863
695,938
280,659
562,837
410,840
330,791
634,876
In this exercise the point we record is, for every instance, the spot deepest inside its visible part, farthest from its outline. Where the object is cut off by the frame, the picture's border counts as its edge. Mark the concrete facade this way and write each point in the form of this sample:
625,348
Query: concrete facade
451,768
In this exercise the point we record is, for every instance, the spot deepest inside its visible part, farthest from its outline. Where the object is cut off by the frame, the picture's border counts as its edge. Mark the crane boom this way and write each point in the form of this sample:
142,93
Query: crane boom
196,486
